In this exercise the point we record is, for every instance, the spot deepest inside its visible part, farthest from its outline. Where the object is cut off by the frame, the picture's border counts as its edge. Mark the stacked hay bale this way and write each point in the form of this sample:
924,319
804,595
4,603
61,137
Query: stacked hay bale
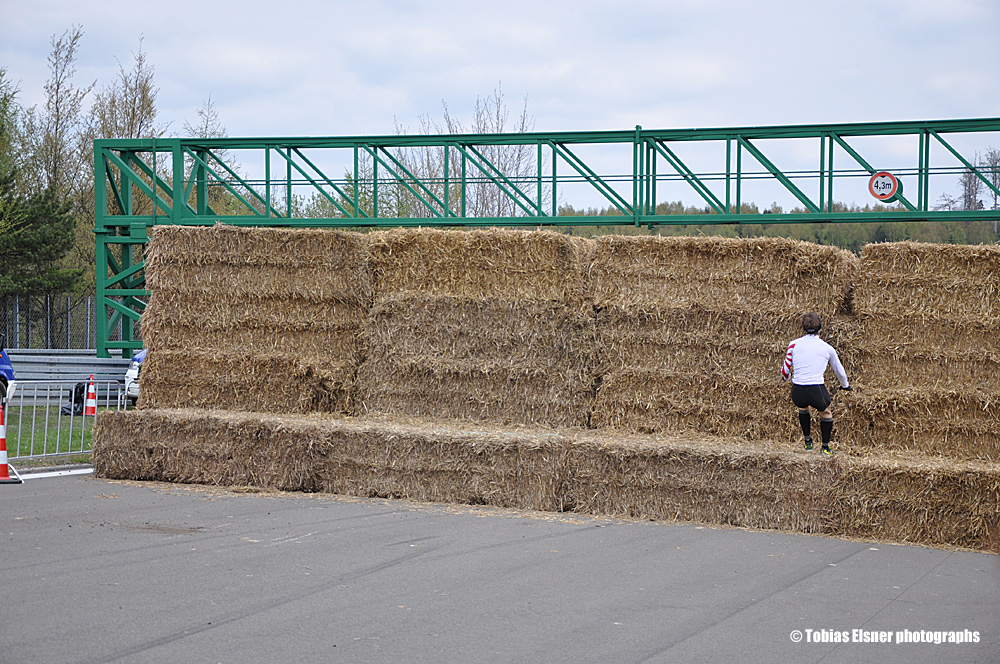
486,325
929,353
917,499
692,331
700,478
708,480
264,320
369,457
504,328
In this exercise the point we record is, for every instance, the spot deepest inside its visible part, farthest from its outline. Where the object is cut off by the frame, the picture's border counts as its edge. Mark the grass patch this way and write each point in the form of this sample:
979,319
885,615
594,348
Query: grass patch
44,435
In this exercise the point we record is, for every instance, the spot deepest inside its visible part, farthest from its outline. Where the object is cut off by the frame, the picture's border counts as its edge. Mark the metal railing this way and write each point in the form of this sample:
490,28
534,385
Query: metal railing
46,418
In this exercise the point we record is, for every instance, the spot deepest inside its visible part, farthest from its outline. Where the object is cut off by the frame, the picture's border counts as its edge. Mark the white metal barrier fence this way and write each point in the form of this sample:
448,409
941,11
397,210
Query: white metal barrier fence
48,418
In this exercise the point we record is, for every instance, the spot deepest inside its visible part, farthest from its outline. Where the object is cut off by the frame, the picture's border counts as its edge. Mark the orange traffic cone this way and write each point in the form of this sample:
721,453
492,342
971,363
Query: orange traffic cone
90,407
5,477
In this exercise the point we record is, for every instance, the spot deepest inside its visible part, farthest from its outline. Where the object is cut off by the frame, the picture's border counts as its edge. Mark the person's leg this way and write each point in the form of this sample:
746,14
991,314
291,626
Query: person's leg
826,426
801,397
804,422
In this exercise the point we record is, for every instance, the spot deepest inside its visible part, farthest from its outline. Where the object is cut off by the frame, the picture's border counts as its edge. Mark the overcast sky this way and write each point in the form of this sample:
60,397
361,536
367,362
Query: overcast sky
314,68
299,68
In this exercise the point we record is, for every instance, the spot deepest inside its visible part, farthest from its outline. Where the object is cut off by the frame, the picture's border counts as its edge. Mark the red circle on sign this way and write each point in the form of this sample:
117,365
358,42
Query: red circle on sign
883,185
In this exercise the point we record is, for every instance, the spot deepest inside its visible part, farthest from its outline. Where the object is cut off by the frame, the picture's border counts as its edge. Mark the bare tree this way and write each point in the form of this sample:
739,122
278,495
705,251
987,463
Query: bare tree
127,107
972,188
492,116
991,167
60,159
210,125
418,173
948,202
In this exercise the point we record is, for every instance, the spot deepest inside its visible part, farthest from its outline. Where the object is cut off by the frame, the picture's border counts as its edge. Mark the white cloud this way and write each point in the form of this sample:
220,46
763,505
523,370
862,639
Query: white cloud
315,67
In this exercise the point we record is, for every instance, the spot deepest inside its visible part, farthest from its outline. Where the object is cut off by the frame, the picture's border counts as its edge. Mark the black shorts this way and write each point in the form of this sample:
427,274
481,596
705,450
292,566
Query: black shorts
816,396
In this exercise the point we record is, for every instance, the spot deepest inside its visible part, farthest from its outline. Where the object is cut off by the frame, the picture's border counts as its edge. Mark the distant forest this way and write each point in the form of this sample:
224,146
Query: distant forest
850,236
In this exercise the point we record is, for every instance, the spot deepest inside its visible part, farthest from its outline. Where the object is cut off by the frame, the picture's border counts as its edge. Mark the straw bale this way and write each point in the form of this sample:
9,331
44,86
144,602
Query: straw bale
709,480
291,325
933,502
692,331
207,280
480,264
425,462
333,343
919,368
223,310
319,248
239,263
493,360
715,482
492,331
908,281
655,401
927,422
696,339
725,274
254,382
887,331
466,393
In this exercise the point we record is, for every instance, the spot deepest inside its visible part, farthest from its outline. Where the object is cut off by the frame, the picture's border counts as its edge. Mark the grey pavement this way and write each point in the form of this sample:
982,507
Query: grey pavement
101,571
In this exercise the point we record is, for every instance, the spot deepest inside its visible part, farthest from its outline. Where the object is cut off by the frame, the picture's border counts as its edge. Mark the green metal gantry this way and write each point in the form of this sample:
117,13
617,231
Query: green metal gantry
462,180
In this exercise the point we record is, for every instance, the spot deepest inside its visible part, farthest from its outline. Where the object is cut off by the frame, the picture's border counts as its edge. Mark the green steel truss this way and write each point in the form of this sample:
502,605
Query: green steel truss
509,180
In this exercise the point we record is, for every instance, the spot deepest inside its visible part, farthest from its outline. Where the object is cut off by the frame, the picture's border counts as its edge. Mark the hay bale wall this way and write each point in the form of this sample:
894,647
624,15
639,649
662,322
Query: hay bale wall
692,331
714,481
372,458
263,320
644,334
480,325
621,336
928,354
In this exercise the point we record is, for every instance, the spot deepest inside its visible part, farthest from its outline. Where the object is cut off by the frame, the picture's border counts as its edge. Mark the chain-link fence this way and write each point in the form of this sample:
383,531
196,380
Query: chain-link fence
51,321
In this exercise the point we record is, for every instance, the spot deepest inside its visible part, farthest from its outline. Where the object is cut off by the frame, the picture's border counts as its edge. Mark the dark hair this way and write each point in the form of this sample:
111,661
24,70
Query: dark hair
811,323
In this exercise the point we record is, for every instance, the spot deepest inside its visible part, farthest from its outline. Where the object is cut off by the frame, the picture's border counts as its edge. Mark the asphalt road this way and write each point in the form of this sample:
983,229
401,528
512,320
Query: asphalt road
101,571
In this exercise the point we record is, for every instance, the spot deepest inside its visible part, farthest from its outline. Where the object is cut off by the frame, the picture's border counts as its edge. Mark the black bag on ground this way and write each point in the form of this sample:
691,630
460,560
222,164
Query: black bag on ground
76,406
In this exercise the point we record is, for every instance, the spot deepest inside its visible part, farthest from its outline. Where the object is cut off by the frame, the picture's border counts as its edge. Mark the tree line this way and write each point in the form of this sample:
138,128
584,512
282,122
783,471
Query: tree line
47,181
850,236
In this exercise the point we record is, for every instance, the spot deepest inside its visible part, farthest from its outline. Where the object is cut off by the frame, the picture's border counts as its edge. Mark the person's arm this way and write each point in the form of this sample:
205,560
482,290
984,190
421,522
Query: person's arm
838,369
786,367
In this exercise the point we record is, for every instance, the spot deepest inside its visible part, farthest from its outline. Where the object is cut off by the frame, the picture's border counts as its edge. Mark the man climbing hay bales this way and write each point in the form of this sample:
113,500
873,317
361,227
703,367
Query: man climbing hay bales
805,363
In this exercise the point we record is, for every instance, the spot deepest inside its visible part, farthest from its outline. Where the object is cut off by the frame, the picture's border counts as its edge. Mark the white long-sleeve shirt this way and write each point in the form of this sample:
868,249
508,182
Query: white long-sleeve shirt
807,359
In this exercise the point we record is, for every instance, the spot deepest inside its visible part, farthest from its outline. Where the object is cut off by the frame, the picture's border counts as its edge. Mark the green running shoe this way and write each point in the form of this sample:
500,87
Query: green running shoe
809,443
826,451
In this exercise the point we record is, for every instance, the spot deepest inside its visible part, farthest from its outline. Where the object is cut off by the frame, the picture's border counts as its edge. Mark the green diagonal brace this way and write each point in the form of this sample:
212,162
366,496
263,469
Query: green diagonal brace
228,187
968,165
137,181
358,212
781,177
114,187
291,162
613,196
121,276
868,167
480,161
120,310
160,182
402,181
690,177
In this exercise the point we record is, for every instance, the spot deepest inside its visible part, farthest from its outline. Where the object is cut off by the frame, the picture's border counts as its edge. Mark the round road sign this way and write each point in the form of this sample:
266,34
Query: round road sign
883,185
